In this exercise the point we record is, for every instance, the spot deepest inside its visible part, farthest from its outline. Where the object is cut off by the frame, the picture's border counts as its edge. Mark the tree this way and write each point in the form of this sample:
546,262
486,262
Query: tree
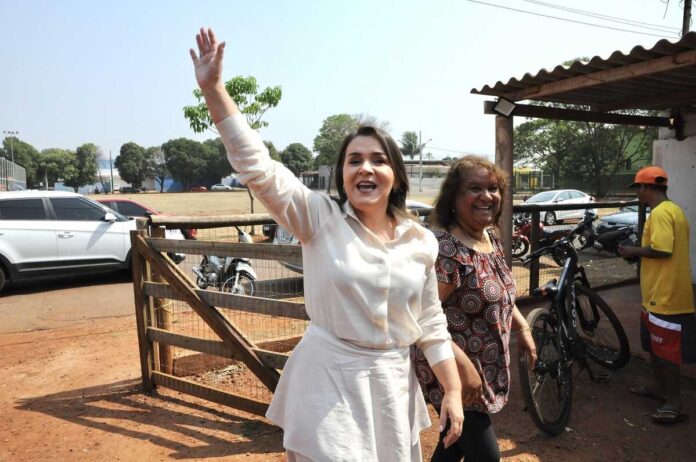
244,92
297,158
409,144
159,165
56,164
185,159
85,167
133,164
217,165
24,155
592,152
272,150
328,142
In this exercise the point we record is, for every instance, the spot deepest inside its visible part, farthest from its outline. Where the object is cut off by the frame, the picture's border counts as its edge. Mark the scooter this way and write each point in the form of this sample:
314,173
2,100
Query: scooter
227,274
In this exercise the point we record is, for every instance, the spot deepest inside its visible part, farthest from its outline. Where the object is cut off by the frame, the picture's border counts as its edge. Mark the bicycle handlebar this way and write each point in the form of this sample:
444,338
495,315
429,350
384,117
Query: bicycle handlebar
562,242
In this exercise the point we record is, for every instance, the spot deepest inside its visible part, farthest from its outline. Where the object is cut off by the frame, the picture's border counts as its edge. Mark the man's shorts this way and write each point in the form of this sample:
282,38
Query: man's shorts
670,337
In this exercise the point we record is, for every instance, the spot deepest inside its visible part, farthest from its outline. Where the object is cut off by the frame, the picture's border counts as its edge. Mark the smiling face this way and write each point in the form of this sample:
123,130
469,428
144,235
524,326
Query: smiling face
368,177
478,200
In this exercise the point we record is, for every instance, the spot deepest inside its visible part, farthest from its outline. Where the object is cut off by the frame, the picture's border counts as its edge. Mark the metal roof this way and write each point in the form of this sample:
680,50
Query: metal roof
662,77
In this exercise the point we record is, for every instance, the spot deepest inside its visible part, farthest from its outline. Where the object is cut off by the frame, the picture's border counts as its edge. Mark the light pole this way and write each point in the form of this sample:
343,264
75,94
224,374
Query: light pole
12,134
420,163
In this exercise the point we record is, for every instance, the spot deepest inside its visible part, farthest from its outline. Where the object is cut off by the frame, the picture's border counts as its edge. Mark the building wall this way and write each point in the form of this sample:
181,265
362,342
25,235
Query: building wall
678,158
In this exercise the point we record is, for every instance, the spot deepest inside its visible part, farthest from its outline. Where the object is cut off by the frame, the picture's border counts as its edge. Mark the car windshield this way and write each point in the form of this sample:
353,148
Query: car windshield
119,216
541,197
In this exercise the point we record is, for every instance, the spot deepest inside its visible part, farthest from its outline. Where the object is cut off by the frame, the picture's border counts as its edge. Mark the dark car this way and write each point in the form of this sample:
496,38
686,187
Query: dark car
626,216
129,190
198,189
131,208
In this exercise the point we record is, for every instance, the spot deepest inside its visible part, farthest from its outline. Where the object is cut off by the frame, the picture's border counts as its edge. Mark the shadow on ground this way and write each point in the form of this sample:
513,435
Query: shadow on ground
190,430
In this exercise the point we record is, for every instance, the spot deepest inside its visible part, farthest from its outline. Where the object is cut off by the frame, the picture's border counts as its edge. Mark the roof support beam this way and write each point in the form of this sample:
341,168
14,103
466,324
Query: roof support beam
545,112
631,71
674,99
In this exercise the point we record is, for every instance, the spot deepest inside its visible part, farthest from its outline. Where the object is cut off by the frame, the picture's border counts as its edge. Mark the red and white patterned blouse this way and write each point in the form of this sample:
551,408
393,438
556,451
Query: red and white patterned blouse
479,317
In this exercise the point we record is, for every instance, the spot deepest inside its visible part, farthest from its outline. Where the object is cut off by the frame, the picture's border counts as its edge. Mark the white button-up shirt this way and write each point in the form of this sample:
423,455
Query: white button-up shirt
373,294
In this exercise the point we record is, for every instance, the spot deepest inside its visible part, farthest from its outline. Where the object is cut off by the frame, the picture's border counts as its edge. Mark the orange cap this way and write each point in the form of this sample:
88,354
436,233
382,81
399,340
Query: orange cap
649,175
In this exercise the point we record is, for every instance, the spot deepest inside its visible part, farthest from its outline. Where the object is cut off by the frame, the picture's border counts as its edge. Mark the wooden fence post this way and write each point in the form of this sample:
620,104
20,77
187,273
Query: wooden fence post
163,313
141,311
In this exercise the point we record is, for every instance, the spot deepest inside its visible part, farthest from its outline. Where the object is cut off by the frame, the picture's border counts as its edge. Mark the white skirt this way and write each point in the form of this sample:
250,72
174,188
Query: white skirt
339,402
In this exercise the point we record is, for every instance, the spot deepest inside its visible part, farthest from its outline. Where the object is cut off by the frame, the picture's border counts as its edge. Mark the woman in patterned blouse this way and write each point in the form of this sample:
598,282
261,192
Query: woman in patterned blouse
478,296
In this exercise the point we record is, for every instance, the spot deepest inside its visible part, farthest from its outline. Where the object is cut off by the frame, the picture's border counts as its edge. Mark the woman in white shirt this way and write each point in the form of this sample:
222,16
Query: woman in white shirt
348,391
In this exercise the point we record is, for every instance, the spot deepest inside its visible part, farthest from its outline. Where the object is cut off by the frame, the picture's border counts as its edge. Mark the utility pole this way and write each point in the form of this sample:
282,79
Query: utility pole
111,169
686,23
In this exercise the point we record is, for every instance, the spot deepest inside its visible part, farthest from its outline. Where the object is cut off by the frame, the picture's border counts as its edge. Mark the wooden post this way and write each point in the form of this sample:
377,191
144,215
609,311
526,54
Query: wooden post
163,314
503,158
141,312
534,245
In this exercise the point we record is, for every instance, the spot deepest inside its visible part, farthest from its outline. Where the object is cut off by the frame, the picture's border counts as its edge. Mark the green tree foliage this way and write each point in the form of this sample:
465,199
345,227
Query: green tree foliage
25,155
591,152
297,158
85,167
245,92
56,164
159,165
272,150
134,164
409,144
185,159
328,142
216,164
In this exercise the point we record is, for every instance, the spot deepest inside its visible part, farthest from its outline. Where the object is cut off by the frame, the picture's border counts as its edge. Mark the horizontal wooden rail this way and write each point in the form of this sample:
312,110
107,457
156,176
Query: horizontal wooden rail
219,221
218,348
256,305
284,252
211,394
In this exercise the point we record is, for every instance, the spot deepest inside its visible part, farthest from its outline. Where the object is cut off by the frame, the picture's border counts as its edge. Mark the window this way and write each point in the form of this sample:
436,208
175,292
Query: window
564,196
22,209
73,208
131,210
576,195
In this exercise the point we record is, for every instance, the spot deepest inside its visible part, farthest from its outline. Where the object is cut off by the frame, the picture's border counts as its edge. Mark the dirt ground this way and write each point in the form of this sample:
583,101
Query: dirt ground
70,390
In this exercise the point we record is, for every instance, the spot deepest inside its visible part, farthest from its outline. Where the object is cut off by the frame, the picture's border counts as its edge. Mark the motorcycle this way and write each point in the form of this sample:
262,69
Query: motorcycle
611,240
522,232
227,274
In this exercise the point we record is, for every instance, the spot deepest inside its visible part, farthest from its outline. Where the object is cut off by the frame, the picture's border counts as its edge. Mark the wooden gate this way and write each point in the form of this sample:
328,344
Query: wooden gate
165,343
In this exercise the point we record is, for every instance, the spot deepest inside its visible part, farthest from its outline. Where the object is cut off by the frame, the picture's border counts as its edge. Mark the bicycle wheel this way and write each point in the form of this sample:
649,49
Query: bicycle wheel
601,331
548,386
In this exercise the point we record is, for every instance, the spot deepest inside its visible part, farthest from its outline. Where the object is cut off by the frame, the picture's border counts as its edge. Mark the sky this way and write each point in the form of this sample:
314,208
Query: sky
112,72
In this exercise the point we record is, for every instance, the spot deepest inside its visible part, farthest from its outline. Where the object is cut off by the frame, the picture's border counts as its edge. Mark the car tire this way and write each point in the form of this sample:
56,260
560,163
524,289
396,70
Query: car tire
550,219
3,278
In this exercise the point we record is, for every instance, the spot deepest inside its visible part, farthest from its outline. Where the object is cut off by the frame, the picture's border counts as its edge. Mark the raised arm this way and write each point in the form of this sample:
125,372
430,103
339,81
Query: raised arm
208,67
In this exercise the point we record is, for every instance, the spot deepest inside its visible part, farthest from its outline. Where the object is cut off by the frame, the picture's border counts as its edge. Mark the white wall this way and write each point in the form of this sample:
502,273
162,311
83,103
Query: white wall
678,158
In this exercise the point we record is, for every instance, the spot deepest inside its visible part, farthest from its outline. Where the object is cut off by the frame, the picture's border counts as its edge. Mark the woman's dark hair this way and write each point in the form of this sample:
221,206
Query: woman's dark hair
443,214
397,197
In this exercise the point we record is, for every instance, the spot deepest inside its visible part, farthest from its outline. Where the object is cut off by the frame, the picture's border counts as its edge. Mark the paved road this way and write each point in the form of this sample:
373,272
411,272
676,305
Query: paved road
62,303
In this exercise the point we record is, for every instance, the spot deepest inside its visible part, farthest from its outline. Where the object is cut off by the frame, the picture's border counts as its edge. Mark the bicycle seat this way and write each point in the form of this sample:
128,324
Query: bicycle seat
549,289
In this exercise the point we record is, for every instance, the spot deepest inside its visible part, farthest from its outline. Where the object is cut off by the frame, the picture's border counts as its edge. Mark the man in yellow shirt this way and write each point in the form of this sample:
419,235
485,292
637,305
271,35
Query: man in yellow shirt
668,324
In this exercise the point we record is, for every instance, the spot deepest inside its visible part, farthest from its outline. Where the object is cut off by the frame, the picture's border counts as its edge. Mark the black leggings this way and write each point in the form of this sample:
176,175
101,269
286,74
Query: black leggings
476,444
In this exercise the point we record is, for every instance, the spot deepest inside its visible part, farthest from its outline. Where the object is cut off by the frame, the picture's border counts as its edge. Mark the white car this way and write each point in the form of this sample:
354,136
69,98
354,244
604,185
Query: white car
283,236
56,233
561,196
220,187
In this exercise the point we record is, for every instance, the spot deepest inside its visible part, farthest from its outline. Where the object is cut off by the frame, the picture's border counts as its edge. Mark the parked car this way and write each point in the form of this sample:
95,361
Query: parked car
626,216
129,190
283,236
561,196
50,233
198,189
220,187
133,209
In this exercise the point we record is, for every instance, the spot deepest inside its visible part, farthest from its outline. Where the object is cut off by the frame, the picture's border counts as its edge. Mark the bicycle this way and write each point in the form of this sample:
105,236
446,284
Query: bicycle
577,325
